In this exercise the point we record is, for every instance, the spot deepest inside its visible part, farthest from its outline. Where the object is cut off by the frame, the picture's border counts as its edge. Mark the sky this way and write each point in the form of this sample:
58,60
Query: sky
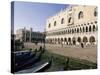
34,15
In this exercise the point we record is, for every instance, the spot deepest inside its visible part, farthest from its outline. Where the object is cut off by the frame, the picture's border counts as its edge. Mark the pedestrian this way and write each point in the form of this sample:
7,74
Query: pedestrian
82,45
40,49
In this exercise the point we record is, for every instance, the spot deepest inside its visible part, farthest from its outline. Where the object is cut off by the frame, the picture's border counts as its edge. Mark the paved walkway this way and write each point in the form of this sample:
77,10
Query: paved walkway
87,53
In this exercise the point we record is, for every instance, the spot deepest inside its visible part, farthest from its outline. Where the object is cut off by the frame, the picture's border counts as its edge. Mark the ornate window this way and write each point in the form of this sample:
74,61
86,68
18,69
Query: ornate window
55,23
80,15
72,31
69,39
85,39
83,29
95,12
92,39
94,27
79,39
77,30
49,25
62,20
69,20
86,29
89,28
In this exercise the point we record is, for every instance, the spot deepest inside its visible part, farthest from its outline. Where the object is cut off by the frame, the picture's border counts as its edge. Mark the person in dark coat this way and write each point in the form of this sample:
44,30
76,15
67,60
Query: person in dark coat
40,49
82,45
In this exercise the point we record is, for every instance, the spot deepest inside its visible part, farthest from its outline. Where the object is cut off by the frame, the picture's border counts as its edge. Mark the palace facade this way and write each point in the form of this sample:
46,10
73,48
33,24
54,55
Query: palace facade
73,26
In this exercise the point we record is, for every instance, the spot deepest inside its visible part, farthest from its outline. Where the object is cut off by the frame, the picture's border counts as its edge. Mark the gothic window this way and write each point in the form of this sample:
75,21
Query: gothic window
86,29
85,39
89,28
80,15
62,20
92,39
79,39
72,30
55,23
69,20
49,25
95,12
77,30
80,29
94,27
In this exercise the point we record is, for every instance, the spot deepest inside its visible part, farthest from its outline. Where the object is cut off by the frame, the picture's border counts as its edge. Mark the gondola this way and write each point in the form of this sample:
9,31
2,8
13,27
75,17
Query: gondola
39,68
29,62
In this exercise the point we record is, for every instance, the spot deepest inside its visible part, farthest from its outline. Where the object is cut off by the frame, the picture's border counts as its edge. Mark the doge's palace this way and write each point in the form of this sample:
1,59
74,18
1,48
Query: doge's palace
73,26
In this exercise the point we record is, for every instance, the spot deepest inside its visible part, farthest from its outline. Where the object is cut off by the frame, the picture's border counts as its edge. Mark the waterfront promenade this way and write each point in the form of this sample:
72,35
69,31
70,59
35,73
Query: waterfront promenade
87,53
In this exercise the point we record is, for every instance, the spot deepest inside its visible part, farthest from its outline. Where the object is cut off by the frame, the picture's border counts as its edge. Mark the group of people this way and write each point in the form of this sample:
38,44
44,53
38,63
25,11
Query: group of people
40,49
82,45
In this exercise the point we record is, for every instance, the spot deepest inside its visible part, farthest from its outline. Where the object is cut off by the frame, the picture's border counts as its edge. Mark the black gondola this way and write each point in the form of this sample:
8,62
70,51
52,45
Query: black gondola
29,62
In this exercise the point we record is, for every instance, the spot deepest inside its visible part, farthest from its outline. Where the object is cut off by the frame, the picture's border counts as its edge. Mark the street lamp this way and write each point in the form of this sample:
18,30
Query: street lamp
44,37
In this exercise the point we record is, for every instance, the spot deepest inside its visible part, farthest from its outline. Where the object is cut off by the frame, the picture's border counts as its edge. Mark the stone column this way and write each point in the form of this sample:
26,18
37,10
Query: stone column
30,34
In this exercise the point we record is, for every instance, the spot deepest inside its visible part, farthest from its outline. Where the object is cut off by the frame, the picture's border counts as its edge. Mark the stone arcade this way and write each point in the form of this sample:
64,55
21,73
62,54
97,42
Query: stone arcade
72,26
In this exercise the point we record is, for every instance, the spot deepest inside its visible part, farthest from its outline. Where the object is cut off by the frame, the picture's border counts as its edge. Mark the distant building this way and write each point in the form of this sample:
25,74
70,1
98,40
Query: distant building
29,35
73,26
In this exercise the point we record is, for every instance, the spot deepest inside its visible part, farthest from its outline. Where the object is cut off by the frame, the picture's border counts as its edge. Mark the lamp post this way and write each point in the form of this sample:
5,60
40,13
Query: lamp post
44,37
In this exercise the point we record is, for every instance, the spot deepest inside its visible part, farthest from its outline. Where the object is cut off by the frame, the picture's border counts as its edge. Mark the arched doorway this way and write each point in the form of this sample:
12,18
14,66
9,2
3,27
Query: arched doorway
92,39
72,31
65,40
58,40
74,41
79,39
69,40
61,40
85,40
